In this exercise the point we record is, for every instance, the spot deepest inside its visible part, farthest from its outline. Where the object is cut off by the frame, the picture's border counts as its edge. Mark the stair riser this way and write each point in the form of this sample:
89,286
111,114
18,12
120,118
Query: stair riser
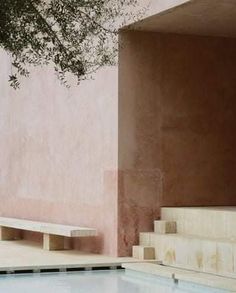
193,253
164,227
143,252
202,222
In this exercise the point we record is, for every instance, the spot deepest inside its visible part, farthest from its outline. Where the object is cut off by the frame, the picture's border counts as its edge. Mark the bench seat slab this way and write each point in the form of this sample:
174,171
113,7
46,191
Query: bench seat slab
48,228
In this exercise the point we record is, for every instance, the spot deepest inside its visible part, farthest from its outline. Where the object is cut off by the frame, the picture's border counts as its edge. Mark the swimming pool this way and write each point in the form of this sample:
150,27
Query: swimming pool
93,282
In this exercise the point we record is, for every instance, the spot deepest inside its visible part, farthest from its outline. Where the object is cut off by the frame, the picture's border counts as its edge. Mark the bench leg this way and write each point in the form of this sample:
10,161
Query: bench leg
53,242
7,233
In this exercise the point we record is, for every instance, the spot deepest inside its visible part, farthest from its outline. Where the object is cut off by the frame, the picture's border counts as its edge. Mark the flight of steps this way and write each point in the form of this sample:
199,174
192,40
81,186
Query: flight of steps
199,239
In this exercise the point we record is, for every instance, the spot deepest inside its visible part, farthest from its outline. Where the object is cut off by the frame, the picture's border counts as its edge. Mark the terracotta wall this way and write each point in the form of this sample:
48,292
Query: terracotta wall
199,121
139,140
177,118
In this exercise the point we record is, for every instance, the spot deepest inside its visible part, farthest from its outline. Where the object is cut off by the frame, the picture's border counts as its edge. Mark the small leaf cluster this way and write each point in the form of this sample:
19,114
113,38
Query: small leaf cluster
75,36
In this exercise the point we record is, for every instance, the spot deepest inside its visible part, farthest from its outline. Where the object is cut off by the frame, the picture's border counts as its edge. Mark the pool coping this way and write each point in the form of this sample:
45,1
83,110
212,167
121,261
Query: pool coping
69,267
57,269
180,276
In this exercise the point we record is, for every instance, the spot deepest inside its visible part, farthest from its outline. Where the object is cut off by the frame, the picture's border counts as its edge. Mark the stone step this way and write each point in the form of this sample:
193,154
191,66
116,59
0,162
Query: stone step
165,227
215,222
202,254
143,252
180,275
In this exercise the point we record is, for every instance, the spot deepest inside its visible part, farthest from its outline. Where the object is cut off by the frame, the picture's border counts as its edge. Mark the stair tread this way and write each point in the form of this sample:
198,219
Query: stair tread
143,246
217,222
210,208
191,236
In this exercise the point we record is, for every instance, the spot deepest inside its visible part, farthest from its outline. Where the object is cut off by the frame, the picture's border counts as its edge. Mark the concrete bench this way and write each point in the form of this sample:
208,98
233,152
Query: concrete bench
53,234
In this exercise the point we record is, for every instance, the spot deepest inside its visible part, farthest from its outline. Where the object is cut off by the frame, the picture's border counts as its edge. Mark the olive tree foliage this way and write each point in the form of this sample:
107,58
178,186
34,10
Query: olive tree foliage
76,36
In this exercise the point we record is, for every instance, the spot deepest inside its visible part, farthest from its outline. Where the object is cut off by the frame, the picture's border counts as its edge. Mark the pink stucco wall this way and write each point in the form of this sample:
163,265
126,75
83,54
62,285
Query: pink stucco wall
59,152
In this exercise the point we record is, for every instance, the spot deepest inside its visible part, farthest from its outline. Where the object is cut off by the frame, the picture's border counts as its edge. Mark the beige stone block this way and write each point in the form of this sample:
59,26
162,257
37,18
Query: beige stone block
209,256
181,247
225,258
209,280
195,254
164,227
159,244
174,214
143,252
153,237
229,225
145,238
169,250
234,257
214,222
53,242
7,233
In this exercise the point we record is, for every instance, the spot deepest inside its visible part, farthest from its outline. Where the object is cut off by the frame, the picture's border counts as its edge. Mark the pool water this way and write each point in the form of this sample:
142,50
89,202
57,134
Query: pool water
93,282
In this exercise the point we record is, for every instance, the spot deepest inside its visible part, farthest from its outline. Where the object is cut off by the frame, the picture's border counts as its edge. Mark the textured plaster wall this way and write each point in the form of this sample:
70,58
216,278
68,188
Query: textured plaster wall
58,155
59,149
59,159
139,141
176,126
199,121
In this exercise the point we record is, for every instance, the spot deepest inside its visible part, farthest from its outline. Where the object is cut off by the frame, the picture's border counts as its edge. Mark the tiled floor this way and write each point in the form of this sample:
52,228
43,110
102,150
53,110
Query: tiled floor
29,255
